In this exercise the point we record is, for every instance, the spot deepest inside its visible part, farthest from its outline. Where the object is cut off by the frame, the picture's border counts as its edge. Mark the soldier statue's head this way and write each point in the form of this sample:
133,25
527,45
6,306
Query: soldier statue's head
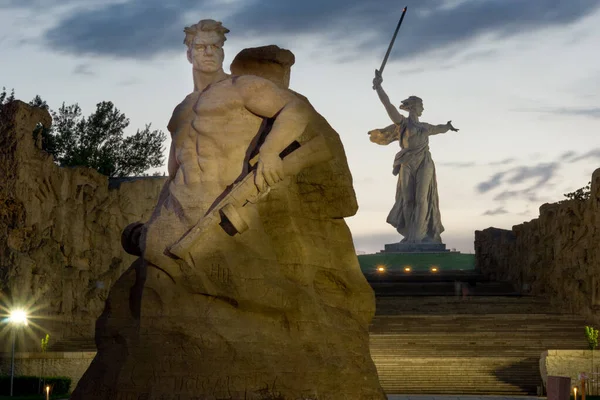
205,42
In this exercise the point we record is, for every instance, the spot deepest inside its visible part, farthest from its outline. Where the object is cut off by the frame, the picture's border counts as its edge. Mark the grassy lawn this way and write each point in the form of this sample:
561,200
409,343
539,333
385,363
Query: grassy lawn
587,397
418,262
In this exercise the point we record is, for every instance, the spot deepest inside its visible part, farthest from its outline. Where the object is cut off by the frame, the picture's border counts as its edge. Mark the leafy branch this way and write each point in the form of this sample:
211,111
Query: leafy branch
580,194
591,335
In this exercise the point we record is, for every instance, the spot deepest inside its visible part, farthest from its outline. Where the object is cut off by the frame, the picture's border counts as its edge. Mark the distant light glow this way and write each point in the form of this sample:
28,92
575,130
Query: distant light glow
18,317
381,268
434,269
407,269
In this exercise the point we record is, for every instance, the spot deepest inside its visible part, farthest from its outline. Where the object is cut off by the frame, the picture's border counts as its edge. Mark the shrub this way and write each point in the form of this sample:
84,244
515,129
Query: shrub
591,335
28,385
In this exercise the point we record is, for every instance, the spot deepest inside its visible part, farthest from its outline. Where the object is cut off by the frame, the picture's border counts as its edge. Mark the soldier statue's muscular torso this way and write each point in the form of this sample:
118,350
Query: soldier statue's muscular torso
214,132
210,130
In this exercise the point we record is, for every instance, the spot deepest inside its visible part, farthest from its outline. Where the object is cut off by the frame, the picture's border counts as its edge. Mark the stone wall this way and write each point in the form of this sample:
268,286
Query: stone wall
569,363
70,364
60,230
556,255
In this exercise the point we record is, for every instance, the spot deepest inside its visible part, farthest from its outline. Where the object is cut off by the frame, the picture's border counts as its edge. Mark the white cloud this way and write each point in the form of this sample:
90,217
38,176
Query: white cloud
479,95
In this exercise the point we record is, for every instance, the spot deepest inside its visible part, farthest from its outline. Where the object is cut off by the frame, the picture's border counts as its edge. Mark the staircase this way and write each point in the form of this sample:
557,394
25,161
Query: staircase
484,345
426,340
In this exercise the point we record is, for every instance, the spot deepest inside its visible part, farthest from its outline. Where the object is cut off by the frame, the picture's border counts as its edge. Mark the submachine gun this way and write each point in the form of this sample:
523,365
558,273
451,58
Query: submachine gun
225,213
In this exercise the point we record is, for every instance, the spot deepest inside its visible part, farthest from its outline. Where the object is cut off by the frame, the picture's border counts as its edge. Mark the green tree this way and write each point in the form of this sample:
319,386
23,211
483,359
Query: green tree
97,141
5,97
580,194
38,102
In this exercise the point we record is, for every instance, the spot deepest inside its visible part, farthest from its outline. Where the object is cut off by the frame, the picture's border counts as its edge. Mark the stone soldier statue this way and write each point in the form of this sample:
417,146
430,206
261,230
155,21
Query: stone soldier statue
247,285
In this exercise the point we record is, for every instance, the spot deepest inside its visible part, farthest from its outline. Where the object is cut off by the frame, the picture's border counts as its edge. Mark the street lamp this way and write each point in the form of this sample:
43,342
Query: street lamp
17,318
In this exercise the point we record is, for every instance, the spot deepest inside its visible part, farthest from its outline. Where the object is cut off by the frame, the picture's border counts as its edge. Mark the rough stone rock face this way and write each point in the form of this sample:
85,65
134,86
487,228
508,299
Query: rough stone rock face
269,62
280,311
556,255
60,248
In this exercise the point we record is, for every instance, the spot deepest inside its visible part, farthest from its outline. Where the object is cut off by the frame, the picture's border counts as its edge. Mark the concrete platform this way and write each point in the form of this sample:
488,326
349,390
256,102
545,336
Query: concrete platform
437,397
415,248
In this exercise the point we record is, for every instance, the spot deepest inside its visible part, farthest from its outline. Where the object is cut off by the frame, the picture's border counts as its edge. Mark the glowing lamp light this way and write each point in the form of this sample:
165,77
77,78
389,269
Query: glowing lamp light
47,392
434,269
407,269
575,393
18,317
381,269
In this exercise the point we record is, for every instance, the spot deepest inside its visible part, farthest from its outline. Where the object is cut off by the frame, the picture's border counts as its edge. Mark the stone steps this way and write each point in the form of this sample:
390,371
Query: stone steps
488,345
440,289
451,305
476,324
460,375
398,275
477,344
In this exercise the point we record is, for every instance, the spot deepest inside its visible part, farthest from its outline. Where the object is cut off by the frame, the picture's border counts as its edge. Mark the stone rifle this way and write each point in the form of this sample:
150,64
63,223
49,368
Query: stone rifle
295,158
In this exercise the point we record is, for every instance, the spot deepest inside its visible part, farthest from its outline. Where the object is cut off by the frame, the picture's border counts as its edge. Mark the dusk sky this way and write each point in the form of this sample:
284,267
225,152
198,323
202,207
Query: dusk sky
519,78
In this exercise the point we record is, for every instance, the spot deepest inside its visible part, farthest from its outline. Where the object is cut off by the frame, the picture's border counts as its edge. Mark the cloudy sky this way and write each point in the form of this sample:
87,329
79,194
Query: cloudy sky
519,78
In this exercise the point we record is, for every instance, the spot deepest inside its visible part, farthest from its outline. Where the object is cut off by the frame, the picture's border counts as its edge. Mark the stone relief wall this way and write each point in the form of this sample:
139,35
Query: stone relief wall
71,364
60,228
556,255
569,363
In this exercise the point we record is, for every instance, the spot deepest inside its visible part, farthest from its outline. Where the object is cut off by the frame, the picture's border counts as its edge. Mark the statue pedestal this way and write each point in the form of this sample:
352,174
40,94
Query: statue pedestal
415,248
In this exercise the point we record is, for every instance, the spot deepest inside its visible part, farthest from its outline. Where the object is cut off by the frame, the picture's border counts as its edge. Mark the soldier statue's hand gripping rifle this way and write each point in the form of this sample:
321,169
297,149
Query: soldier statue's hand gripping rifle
295,158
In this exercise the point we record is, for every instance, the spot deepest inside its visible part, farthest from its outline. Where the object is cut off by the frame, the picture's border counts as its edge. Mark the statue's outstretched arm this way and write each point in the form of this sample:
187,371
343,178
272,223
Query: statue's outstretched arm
437,129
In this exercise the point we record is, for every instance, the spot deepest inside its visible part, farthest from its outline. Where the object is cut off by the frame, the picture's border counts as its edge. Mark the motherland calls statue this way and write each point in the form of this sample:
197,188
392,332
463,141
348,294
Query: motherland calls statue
416,211
247,285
